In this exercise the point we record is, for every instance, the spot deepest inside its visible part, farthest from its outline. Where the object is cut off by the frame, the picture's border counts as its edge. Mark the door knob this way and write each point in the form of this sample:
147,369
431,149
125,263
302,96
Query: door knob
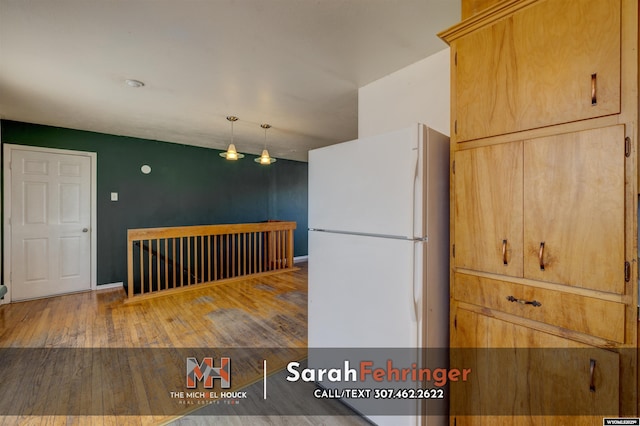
85,229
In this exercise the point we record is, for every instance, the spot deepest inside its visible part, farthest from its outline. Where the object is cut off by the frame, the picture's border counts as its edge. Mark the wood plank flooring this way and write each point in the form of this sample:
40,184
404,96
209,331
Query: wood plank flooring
266,312
276,304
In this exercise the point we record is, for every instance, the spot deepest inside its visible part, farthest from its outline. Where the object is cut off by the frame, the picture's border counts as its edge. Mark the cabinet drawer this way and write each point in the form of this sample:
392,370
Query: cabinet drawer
595,317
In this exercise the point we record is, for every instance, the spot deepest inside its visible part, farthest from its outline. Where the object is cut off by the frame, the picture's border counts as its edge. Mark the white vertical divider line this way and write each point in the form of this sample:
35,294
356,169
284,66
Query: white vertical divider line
264,388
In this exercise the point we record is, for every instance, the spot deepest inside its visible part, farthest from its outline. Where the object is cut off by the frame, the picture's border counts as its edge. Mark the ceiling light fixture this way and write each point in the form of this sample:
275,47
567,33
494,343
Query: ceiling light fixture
264,158
231,153
134,83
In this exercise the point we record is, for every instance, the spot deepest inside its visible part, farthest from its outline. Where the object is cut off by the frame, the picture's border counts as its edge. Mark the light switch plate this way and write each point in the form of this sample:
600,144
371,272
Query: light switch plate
114,196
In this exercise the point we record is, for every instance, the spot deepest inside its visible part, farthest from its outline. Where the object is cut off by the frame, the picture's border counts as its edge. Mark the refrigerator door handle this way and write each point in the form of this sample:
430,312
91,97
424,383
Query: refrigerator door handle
418,266
416,155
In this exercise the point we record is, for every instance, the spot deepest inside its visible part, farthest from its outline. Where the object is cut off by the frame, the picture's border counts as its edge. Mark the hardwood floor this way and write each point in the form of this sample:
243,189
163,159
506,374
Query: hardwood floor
269,312
94,355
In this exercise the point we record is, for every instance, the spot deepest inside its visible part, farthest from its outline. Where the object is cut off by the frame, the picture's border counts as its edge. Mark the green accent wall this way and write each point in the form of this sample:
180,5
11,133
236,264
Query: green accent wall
187,186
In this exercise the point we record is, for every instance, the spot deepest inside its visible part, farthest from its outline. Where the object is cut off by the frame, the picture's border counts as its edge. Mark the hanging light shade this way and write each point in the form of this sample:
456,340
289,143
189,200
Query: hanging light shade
264,158
231,153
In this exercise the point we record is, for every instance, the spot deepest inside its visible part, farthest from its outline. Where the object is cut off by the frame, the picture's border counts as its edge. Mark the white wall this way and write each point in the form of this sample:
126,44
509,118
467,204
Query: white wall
417,93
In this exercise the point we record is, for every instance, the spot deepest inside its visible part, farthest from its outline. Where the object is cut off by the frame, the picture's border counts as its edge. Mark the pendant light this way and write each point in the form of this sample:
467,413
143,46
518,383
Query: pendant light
264,158
231,153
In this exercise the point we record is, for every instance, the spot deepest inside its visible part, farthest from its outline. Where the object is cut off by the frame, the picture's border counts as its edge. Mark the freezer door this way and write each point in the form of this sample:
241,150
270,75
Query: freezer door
373,185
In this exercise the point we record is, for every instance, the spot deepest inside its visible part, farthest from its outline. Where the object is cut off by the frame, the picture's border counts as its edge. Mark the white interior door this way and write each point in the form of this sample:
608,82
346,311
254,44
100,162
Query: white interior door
50,223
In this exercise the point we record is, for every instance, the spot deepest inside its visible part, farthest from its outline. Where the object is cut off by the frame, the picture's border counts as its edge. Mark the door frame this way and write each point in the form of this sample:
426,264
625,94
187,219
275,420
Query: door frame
8,153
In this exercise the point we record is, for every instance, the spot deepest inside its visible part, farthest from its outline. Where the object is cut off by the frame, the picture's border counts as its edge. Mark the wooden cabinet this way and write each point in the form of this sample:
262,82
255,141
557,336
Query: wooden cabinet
519,374
550,62
545,208
544,213
574,209
488,213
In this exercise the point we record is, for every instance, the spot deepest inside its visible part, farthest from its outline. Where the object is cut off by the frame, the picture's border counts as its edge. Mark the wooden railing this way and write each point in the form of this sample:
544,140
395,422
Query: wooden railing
162,260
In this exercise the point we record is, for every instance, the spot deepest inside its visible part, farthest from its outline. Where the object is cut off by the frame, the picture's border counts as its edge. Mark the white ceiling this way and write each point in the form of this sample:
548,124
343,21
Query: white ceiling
295,64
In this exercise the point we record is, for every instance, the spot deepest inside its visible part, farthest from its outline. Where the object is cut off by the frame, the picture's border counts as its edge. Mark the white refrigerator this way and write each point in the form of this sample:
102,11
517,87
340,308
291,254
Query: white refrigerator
379,250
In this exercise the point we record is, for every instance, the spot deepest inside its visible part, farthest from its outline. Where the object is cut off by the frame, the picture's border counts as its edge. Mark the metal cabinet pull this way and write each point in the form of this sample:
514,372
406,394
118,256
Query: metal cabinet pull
592,370
534,303
541,256
504,252
594,89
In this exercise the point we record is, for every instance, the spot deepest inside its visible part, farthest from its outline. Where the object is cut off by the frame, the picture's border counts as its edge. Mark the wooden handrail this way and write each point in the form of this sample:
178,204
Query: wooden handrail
197,230
205,254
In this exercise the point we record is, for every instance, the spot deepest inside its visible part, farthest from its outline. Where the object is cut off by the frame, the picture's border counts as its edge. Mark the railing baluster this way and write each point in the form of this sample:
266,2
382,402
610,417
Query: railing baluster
274,256
225,255
189,241
261,256
234,262
209,257
173,252
244,253
150,260
141,267
215,257
276,242
194,240
290,248
284,249
157,265
181,261
130,266
201,261
281,248
253,252
212,253
193,246
166,265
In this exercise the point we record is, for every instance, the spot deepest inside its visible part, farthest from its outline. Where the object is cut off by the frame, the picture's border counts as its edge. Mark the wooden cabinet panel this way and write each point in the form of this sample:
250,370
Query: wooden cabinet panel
537,67
473,7
488,209
520,372
588,315
563,192
574,204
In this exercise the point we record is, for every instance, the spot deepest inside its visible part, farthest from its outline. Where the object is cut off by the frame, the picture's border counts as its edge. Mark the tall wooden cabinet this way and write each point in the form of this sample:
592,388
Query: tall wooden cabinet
544,211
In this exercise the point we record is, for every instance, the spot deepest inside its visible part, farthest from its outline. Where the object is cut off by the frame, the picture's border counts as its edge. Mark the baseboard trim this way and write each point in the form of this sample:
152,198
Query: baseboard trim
300,259
109,286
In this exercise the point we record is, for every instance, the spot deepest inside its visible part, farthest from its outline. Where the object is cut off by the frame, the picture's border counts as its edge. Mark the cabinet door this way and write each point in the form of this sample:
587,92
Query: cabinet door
553,62
574,206
522,374
488,209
